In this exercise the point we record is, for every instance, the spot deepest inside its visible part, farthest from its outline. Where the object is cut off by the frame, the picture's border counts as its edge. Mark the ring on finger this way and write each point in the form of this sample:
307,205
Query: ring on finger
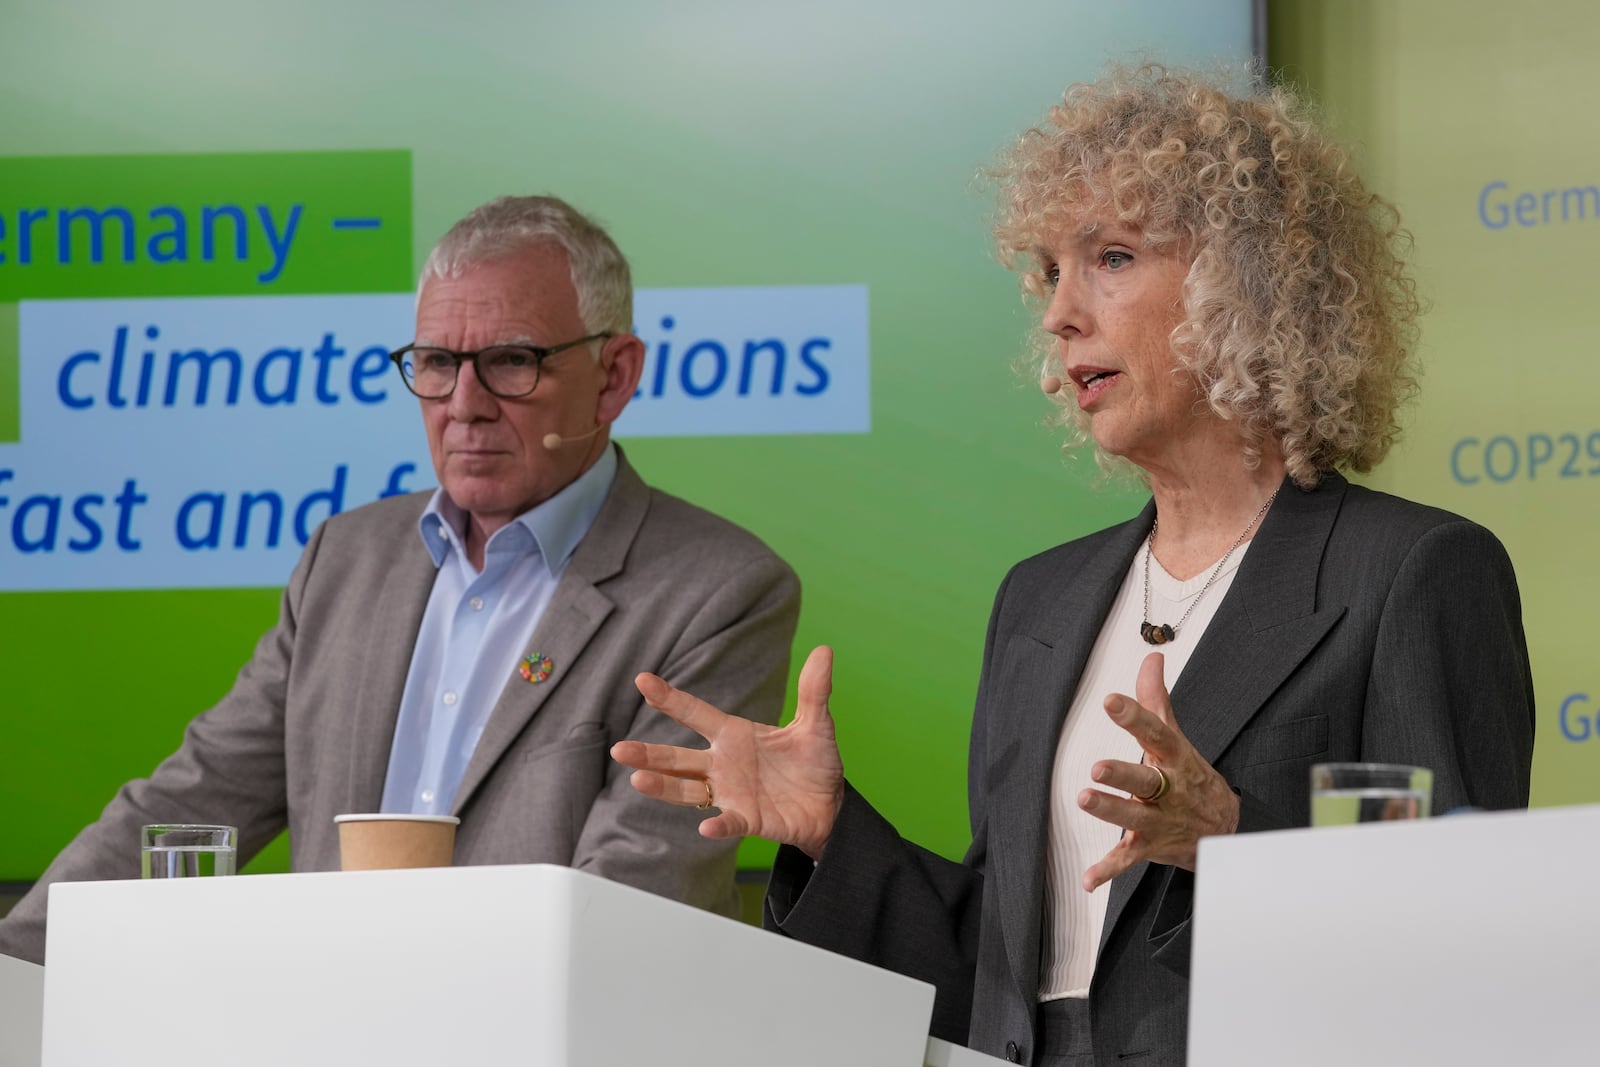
1163,784
710,796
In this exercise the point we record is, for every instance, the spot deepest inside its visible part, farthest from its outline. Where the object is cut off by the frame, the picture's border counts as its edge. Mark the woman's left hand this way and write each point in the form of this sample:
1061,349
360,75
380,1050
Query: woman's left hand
1197,801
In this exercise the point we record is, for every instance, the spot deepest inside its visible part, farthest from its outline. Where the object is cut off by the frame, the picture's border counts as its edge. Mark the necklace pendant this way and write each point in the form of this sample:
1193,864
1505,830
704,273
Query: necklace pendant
1156,633
1160,633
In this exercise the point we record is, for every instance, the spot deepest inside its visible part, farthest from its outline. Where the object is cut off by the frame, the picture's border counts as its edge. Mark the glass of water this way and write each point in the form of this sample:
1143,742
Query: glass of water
1343,794
182,850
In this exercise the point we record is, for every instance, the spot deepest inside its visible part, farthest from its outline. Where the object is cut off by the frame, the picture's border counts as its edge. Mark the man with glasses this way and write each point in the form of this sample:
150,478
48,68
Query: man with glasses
472,651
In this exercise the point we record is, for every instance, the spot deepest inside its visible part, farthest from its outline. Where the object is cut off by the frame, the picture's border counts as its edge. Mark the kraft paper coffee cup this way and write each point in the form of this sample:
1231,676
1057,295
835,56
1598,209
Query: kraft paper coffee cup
382,841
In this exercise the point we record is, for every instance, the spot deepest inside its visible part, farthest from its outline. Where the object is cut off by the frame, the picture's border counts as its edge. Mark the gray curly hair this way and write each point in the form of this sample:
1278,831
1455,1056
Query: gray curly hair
1300,316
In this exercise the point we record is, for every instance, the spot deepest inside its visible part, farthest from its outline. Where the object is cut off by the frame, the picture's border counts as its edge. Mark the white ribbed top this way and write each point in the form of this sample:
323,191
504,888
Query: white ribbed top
1074,919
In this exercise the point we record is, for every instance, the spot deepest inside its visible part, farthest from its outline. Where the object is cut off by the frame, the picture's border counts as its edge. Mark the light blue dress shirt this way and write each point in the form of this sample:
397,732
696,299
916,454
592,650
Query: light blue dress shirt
475,630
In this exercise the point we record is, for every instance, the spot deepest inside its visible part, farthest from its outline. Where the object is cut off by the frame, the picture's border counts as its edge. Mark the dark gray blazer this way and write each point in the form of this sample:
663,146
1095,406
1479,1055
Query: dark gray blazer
304,734
1359,627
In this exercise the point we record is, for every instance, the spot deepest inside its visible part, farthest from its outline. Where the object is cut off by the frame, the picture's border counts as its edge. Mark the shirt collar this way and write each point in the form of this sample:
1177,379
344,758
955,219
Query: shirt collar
557,525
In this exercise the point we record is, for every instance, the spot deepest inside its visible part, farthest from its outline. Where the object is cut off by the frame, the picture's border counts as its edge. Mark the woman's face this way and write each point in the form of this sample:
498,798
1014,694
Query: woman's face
1113,304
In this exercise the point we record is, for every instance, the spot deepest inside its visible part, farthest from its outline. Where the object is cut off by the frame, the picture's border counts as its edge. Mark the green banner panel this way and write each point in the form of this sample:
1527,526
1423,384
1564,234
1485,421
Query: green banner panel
234,223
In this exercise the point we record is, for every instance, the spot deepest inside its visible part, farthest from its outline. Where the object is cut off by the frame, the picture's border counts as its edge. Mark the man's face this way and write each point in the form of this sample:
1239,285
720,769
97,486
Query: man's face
488,452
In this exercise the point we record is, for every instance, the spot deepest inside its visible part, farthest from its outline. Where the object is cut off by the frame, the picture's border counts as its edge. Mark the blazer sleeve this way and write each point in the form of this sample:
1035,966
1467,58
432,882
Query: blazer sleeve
877,897
735,655
1450,688
229,769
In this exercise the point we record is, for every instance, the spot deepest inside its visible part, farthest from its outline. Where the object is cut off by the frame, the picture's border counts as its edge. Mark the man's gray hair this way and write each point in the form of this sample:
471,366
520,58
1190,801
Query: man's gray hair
512,224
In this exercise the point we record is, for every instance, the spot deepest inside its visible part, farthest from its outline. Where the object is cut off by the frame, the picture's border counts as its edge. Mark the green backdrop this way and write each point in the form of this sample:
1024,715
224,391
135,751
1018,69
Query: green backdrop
727,145
1477,119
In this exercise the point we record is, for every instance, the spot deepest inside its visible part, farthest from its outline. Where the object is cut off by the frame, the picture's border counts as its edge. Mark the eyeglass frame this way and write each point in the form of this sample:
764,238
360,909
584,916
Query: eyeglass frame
538,352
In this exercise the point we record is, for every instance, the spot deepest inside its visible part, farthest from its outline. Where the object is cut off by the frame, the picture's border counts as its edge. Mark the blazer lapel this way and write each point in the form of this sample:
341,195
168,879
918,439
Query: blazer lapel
1039,700
574,613
1265,627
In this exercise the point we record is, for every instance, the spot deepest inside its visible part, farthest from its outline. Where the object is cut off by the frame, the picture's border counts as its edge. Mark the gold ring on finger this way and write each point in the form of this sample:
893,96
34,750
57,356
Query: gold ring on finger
710,797
1163,784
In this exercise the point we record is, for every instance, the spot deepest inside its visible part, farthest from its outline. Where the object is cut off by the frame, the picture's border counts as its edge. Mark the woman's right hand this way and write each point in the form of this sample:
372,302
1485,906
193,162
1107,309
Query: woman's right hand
781,783
784,784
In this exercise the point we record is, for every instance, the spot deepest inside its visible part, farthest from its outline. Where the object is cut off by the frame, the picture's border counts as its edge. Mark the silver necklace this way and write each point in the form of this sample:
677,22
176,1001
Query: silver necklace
1159,633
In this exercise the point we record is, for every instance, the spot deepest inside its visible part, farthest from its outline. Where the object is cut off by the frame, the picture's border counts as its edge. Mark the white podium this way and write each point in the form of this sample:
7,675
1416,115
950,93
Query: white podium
535,965
21,1011
1468,940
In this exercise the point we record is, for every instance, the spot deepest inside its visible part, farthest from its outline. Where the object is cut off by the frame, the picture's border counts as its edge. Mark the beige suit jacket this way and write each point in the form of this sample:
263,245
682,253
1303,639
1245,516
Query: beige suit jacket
304,734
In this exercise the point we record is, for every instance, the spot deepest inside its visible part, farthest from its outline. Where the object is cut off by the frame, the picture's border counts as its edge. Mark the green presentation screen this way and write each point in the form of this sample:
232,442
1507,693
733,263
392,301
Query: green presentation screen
184,179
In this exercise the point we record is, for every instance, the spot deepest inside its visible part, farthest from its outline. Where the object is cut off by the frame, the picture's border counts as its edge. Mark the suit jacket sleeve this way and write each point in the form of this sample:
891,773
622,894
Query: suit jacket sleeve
229,770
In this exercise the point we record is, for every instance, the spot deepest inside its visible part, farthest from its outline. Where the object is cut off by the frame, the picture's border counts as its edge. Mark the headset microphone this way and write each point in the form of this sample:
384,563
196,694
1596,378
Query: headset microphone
1050,384
554,441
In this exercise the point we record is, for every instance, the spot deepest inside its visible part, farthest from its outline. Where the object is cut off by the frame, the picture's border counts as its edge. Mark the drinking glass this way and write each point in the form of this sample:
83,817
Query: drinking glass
184,850
1343,794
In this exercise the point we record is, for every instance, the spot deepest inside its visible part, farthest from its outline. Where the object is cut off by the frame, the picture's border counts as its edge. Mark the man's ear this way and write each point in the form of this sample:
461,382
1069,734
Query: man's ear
622,362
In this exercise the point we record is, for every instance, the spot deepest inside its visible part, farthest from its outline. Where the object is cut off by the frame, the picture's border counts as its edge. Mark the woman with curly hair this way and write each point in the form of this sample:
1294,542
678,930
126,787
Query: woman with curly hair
1225,311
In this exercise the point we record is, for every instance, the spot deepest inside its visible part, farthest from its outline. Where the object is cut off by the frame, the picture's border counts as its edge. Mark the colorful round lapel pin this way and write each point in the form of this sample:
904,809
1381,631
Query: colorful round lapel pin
536,668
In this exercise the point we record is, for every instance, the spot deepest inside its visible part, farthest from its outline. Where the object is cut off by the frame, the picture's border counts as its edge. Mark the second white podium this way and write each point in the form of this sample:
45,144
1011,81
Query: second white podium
1466,941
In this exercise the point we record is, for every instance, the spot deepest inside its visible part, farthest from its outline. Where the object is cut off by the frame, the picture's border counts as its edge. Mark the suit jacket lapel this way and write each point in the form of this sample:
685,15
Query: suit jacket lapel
1021,803
574,613
1265,627
396,618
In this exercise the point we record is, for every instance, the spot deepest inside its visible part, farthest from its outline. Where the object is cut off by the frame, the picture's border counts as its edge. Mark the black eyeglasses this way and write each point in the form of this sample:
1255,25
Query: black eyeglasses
507,371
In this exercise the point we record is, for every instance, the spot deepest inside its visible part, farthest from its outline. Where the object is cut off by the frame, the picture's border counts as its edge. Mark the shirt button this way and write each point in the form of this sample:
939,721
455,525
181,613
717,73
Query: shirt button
450,699
427,796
